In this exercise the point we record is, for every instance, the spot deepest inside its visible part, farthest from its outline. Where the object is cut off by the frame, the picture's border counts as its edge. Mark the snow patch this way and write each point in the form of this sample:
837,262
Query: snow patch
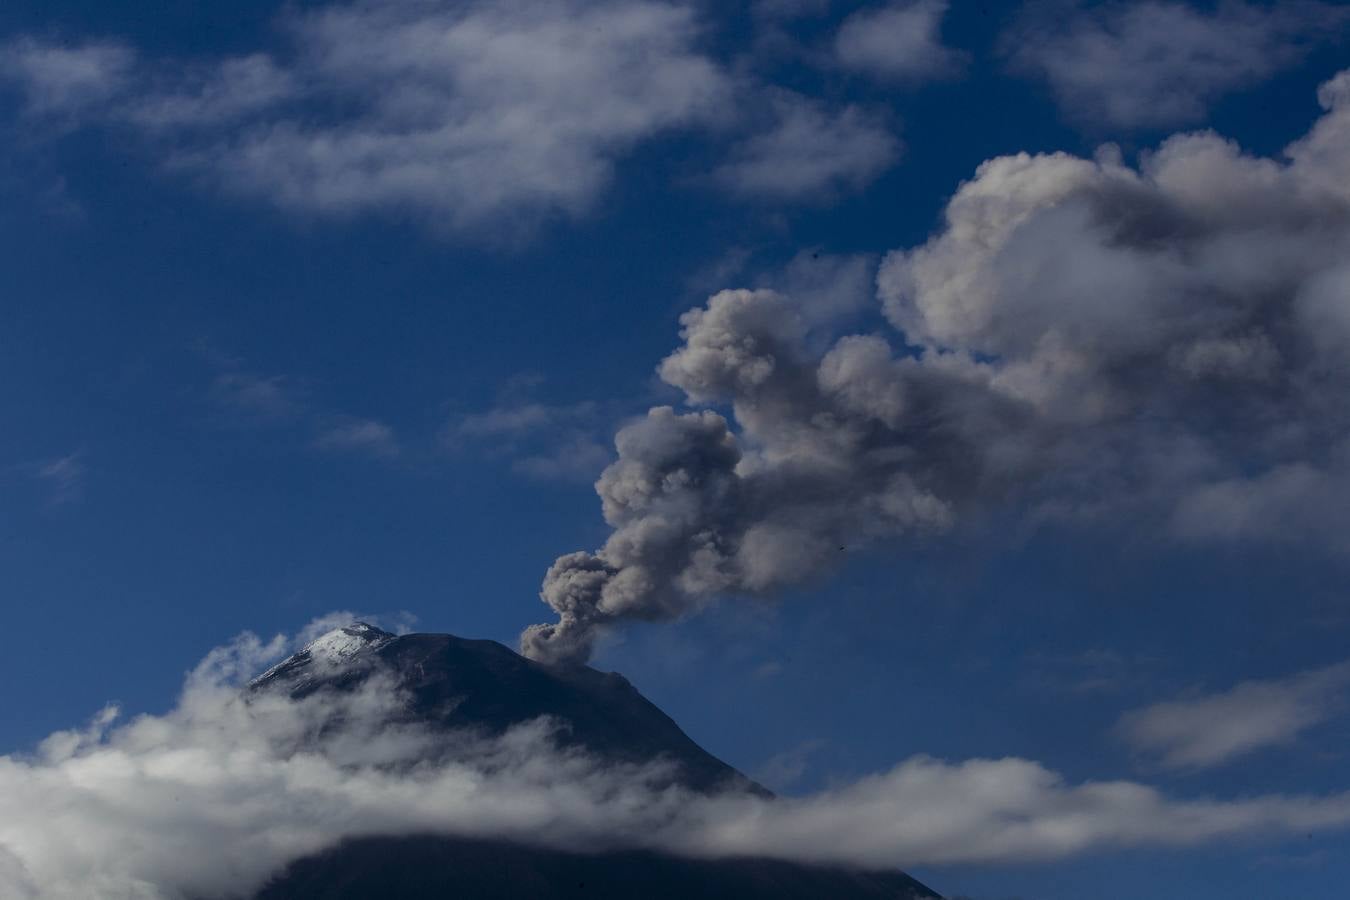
341,644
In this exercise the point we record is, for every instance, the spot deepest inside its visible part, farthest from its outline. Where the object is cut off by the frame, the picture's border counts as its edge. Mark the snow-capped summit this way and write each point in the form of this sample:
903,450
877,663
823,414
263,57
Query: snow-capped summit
333,651
343,643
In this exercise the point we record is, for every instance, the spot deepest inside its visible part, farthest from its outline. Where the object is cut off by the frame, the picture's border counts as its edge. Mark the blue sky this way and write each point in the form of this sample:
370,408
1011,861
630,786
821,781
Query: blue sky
306,311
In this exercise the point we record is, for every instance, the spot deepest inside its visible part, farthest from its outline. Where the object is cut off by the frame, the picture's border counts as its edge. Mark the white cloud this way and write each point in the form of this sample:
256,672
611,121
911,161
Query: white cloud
505,112
515,109
220,792
901,41
1213,729
810,151
1161,63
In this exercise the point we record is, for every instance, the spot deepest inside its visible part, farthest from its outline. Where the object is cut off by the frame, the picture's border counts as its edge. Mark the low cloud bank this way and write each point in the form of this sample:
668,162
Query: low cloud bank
1161,347
211,798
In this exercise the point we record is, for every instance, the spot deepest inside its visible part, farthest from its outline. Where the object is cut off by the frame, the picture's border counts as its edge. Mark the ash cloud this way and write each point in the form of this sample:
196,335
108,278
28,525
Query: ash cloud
212,798
1082,340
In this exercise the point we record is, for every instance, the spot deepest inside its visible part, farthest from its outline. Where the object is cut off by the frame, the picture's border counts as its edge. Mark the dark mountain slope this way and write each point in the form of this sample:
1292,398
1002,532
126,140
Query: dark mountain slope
431,868
459,683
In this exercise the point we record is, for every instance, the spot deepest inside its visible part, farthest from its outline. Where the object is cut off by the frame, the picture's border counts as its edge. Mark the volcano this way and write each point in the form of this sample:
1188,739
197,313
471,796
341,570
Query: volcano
447,684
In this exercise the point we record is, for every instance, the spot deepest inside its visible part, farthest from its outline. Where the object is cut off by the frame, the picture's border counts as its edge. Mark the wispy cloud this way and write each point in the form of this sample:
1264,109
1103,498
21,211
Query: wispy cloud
784,770
1094,671
255,397
508,420
808,150
552,442
579,457
361,436
67,81
1212,729
246,399
899,42
493,117
1154,64
488,113
64,478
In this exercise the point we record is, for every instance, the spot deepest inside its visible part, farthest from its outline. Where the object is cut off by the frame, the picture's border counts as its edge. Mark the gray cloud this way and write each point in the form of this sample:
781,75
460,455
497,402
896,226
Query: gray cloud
1213,729
810,151
1155,64
1082,342
217,794
900,41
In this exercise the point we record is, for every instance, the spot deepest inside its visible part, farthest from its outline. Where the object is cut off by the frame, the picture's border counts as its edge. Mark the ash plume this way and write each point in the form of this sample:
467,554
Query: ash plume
1163,344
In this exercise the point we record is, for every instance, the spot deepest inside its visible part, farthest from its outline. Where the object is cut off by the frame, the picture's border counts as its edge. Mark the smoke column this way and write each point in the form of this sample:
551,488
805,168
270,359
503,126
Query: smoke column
1166,344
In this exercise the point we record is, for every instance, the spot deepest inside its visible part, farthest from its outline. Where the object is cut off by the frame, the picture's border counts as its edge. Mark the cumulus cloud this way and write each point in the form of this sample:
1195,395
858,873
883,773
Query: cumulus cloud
1081,341
1213,729
810,151
1157,63
224,790
900,41
462,114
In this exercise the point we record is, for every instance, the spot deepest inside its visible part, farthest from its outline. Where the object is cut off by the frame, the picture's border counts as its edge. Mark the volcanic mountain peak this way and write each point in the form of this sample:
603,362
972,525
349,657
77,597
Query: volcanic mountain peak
447,683
345,642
